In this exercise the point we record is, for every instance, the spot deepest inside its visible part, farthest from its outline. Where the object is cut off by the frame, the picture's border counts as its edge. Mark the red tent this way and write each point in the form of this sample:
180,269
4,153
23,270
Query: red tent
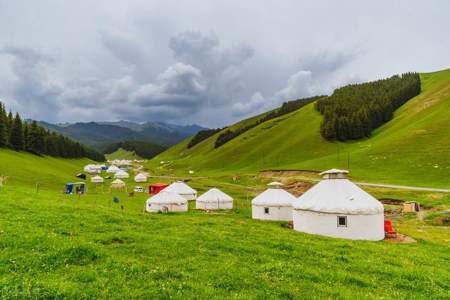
155,188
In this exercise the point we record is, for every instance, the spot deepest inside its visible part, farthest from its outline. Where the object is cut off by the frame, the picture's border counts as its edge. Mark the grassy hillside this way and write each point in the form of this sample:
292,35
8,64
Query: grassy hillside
410,149
26,170
56,246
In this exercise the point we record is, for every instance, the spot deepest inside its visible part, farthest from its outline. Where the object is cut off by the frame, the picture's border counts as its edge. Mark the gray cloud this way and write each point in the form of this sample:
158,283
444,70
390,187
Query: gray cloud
205,62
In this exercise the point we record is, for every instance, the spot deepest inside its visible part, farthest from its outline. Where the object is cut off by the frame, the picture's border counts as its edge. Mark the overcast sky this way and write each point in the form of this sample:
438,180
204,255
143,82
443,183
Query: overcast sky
204,62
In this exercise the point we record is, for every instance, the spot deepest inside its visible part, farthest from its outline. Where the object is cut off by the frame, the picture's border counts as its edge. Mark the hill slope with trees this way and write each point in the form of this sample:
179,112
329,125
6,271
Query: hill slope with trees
411,148
23,136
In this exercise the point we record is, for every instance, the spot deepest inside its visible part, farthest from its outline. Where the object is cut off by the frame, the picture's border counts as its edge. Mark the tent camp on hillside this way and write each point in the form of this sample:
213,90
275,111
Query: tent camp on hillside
214,199
273,204
166,201
337,207
183,190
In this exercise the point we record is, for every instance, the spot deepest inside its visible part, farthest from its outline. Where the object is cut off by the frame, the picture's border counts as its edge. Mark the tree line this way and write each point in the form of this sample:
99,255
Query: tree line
354,111
29,136
202,135
286,107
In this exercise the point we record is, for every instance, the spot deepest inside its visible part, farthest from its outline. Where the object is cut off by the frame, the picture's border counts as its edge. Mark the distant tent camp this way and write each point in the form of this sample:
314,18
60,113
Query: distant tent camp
97,179
118,184
166,201
214,199
112,169
273,204
337,207
140,177
121,174
183,190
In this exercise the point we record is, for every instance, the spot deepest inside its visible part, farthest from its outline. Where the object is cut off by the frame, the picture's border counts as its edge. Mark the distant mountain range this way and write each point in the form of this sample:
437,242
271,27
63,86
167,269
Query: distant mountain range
100,134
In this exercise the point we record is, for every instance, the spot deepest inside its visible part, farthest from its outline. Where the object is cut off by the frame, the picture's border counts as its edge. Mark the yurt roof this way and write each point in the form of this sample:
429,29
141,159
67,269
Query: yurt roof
275,184
338,196
97,178
167,197
121,173
180,187
117,181
274,197
140,176
113,168
214,195
334,171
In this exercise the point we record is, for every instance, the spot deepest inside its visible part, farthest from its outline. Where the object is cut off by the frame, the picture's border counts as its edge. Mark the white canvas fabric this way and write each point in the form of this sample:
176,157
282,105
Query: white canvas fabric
121,174
117,183
183,190
140,177
273,204
166,201
112,169
335,198
214,199
338,196
97,179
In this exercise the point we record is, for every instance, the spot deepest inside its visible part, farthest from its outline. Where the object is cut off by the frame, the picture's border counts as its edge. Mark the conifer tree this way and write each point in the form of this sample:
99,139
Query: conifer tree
3,127
17,140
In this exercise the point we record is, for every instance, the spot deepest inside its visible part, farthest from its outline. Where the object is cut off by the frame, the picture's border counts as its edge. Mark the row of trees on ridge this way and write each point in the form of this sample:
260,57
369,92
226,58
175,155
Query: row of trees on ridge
29,136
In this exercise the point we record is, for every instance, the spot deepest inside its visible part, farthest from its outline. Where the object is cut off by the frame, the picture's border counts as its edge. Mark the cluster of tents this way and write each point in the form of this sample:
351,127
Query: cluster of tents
334,207
175,197
119,173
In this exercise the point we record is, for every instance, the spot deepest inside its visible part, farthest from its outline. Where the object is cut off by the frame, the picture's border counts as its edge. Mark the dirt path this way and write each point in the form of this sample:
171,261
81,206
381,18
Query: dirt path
403,187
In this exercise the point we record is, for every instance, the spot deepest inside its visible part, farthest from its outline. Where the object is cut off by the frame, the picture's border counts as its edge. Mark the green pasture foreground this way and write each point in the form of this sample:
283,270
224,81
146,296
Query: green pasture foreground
56,246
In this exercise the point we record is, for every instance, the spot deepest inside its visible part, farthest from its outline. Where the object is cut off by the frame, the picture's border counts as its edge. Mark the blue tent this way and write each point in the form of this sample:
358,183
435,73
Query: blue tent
82,176
75,188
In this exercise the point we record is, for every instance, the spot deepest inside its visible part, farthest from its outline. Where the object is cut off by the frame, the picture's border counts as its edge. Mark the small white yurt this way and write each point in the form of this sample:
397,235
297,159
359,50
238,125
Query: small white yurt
214,199
183,190
140,177
166,201
273,204
117,184
121,174
97,179
112,169
337,207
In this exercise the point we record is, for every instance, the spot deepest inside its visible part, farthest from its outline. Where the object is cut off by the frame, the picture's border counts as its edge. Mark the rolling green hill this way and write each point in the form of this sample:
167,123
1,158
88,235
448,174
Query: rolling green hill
412,148
122,154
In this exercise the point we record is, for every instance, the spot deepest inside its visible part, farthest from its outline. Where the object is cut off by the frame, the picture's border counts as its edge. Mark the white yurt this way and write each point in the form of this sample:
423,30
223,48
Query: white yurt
140,177
92,169
183,190
273,204
214,199
166,201
121,174
337,207
97,179
112,169
117,184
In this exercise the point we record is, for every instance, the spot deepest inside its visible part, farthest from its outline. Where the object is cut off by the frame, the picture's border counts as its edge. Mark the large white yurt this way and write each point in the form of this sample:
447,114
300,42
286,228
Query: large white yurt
121,174
92,169
166,201
97,179
117,184
214,199
273,204
112,169
140,177
337,207
183,190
